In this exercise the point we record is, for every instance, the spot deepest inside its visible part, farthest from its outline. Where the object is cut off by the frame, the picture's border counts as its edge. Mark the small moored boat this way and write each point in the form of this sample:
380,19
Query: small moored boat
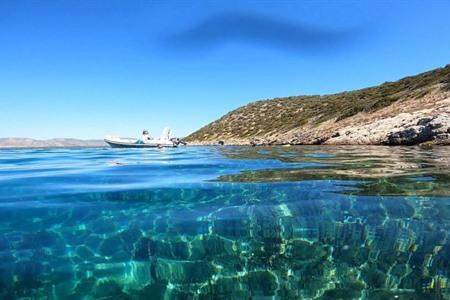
146,141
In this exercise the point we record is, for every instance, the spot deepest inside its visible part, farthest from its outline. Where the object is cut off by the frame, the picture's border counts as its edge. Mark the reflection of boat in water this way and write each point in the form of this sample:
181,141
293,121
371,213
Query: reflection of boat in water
145,142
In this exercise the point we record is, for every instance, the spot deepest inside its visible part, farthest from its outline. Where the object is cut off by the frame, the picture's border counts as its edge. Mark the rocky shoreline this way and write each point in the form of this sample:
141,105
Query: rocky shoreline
419,116
404,129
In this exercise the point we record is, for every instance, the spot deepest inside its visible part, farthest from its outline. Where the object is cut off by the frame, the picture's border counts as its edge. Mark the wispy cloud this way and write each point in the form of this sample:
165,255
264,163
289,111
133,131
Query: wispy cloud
265,31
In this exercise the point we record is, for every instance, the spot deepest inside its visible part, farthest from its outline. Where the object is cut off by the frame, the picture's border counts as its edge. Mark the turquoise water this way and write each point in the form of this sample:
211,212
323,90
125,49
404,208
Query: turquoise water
307,222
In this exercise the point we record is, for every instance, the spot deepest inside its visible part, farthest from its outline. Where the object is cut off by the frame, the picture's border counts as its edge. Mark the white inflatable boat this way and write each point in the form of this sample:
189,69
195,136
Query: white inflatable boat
163,141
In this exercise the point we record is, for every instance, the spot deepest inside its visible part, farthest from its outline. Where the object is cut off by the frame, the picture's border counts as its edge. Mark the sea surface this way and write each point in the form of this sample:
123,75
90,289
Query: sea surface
307,222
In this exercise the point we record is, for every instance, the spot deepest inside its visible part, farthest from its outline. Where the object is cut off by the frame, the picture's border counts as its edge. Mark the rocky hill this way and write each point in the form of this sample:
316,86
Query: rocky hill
51,143
412,110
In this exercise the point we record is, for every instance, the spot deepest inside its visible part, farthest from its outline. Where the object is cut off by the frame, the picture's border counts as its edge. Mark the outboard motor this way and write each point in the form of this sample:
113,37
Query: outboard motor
178,141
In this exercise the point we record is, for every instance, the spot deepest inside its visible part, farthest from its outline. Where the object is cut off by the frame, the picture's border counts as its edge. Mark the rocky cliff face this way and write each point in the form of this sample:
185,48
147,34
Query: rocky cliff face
410,111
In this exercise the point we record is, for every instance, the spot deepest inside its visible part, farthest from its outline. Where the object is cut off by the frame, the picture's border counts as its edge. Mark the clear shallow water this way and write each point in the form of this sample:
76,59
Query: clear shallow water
225,223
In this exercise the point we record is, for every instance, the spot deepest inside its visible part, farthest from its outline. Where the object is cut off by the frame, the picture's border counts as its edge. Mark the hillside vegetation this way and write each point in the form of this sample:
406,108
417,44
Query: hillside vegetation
266,119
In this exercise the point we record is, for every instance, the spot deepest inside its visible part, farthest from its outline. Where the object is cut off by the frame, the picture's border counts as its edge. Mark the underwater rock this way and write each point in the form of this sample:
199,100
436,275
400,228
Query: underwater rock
441,261
109,270
346,277
42,238
373,277
310,205
382,294
28,274
301,250
129,237
231,223
208,247
147,247
6,281
215,245
180,293
6,255
138,274
266,234
352,255
229,287
142,249
179,249
83,287
93,241
111,246
77,215
184,221
109,289
58,275
154,290
113,250
342,293
161,225
344,235
183,271
265,225
84,252
387,236
4,244
103,225
261,283
224,253
234,228
372,211
400,270
313,278
398,208
75,236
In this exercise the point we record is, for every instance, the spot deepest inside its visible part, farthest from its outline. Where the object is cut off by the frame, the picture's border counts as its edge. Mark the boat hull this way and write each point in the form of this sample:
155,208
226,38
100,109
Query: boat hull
122,144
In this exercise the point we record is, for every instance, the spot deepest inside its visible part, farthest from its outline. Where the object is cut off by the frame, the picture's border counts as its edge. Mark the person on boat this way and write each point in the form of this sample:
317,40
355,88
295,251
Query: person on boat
145,136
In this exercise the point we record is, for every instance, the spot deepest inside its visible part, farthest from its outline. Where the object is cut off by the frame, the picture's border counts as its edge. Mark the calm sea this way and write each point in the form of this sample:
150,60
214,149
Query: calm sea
225,223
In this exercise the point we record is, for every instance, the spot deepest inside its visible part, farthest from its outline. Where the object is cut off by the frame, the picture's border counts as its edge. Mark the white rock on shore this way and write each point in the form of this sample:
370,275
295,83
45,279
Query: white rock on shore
404,129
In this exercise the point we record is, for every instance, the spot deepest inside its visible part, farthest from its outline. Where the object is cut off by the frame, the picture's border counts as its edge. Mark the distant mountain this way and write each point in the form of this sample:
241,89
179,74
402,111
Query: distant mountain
412,110
50,143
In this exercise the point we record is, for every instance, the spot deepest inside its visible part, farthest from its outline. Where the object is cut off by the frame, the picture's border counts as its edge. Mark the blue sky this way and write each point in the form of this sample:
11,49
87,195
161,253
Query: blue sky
87,68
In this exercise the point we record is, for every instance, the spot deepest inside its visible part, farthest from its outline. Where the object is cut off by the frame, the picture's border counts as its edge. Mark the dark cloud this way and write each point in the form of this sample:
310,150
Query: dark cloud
256,29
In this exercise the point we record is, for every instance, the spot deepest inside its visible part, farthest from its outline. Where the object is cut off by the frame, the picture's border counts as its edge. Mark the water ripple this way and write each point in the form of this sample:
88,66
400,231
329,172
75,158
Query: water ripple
308,222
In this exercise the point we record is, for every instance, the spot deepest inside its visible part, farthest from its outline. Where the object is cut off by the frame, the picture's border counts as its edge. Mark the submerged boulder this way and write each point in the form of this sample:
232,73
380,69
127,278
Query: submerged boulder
303,250
183,271
109,289
262,283
147,247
